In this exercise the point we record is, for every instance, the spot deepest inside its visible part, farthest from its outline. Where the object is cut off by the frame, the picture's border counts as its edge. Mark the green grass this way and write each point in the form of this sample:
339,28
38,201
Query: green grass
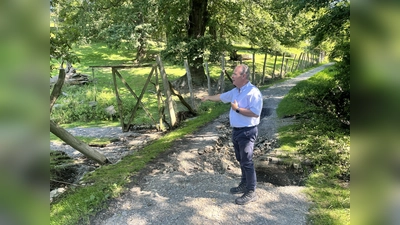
108,181
74,106
317,136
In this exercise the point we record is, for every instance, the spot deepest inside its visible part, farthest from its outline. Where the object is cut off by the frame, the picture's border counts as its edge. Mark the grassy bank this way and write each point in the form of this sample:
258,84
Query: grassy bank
321,138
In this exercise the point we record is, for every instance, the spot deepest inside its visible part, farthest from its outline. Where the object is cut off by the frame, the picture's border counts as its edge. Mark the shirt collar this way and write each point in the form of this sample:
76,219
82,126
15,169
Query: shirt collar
240,90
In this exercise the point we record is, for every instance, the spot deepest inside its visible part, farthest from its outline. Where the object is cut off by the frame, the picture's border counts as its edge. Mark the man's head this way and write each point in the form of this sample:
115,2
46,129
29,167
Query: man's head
241,75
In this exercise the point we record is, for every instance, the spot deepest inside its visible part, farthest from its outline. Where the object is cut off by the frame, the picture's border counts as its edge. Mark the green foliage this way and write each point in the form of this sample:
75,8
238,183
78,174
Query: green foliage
319,137
327,143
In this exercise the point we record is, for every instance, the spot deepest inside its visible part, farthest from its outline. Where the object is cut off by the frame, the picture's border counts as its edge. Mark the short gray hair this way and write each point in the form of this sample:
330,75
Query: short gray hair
245,70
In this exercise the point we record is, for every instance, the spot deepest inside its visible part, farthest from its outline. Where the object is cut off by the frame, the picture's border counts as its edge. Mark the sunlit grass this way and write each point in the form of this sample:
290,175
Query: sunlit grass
322,138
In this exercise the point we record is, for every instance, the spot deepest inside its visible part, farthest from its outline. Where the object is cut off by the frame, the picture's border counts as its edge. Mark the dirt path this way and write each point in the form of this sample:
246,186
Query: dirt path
190,183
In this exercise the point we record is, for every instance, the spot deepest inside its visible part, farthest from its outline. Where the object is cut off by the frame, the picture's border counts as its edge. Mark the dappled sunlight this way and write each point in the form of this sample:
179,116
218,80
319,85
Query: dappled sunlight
204,198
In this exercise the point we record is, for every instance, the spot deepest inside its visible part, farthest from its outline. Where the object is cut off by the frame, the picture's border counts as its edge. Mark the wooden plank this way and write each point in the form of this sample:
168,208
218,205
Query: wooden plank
176,93
139,99
134,94
222,75
285,67
119,102
122,66
298,61
159,102
294,59
167,92
208,79
273,70
253,79
264,66
283,60
189,76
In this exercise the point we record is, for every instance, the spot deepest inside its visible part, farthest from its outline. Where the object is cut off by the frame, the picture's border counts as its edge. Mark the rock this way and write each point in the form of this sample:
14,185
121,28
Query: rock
200,151
208,148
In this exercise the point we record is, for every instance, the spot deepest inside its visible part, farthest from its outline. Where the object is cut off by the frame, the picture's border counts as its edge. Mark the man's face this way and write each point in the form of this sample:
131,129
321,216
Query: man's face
237,79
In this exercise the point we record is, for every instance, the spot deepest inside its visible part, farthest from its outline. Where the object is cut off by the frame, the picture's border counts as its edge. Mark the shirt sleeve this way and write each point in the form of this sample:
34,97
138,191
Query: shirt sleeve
256,102
226,96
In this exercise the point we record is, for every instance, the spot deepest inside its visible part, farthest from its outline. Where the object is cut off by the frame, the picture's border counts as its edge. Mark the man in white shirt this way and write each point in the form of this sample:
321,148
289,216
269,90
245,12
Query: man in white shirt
244,116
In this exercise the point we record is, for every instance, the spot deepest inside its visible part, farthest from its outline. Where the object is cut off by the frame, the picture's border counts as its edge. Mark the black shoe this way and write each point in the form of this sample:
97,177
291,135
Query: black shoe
239,189
249,196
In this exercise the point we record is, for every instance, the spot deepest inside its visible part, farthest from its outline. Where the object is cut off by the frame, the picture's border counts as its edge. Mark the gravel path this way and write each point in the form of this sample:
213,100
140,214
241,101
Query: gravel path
185,189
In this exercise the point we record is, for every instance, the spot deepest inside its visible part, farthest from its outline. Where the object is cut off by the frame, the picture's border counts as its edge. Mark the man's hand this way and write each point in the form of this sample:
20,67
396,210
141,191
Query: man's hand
204,98
214,98
234,105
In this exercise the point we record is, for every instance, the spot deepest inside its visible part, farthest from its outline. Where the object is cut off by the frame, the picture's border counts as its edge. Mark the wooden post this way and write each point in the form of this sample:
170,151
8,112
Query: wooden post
189,76
285,67
77,144
283,60
254,68
304,61
208,79
294,59
119,102
167,92
159,101
94,84
298,61
57,87
222,76
264,65
273,70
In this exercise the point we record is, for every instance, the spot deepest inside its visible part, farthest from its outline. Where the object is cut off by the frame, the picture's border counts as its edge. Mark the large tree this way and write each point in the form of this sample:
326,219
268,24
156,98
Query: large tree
192,29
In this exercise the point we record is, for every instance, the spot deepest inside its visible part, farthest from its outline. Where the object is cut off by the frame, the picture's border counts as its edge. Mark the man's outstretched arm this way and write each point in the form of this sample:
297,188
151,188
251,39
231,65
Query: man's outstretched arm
214,98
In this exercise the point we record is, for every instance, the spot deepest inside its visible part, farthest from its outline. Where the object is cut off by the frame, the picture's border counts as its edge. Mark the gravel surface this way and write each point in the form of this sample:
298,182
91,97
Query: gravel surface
191,184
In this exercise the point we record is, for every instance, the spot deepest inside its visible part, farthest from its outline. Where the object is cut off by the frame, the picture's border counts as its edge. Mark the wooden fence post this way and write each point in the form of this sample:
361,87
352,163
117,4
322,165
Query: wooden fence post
273,70
222,76
208,79
167,92
119,102
298,61
264,65
159,102
285,67
283,60
254,68
294,59
189,76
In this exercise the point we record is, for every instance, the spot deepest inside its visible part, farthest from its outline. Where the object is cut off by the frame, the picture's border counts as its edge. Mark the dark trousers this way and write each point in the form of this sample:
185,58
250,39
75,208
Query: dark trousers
243,142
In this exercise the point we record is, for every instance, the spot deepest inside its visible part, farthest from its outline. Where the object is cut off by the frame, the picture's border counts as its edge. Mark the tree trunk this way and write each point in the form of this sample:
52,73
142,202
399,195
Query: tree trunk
77,144
196,25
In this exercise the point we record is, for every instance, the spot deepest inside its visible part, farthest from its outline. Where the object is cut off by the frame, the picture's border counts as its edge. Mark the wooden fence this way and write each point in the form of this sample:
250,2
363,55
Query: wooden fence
303,61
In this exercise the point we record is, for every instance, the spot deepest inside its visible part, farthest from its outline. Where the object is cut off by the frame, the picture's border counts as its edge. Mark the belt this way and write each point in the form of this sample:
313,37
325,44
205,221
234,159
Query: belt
239,128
